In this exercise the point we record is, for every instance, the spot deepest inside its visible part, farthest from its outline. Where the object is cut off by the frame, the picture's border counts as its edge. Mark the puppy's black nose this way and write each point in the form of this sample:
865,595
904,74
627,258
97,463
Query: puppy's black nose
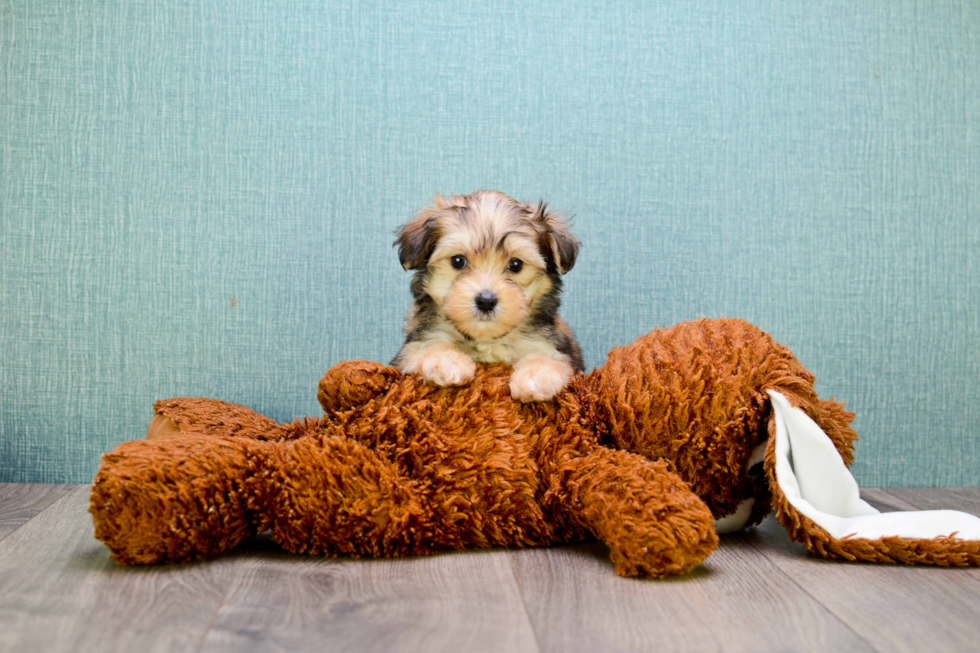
485,301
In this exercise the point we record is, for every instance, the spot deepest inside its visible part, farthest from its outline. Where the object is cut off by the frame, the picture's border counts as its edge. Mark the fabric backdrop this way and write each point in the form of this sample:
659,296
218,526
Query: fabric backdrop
199,198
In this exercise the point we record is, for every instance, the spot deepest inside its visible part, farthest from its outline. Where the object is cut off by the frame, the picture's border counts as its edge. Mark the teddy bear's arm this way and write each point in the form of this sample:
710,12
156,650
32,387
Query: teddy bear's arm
210,417
652,522
353,383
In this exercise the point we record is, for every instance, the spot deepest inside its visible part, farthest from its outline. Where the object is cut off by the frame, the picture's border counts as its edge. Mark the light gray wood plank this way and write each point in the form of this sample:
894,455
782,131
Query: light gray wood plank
735,601
60,592
966,499
466,601
896,608
20,502
884,501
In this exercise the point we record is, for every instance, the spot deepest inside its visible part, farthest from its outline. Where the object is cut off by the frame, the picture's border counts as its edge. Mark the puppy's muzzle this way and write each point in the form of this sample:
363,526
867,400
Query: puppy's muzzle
485,302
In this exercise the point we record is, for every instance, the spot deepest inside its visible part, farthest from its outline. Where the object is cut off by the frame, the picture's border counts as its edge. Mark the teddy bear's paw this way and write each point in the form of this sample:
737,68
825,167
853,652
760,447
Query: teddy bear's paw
538,378
354,383
446,366
670,556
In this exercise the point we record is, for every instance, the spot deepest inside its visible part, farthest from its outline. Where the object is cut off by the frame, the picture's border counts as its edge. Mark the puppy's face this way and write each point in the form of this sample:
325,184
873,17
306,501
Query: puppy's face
486,260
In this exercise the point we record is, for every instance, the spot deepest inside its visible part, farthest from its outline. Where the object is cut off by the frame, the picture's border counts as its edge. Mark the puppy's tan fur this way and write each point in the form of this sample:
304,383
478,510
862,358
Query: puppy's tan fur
447,332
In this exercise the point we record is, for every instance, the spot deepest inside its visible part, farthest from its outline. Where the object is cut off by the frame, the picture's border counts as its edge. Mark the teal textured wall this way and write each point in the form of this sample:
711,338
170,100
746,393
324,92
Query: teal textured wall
199,198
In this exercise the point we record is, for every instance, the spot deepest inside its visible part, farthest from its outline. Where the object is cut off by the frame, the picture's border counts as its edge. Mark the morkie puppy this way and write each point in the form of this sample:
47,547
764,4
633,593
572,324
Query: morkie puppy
487,288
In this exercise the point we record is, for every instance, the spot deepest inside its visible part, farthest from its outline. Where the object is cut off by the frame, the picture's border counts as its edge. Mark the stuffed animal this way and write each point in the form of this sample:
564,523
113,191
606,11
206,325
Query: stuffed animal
701,426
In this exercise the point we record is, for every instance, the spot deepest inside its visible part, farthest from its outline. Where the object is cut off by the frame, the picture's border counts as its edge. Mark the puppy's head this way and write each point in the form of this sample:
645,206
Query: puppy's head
488,261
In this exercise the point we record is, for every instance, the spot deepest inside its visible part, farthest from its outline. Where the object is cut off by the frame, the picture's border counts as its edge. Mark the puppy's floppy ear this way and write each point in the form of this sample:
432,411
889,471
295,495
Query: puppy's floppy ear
558,240
416,239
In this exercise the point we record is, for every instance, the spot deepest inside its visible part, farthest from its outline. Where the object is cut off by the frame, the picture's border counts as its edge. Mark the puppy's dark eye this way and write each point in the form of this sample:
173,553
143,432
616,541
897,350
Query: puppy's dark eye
515,265
458,261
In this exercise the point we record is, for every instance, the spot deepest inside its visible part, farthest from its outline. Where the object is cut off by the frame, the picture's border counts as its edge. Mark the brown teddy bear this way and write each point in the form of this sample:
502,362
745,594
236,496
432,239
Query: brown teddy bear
648,453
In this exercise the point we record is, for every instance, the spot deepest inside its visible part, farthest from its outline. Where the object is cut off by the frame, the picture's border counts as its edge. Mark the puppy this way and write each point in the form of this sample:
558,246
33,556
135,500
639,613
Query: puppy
487,288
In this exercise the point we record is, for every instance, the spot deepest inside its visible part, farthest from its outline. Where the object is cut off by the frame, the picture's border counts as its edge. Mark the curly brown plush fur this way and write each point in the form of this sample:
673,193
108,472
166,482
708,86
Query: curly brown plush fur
642,453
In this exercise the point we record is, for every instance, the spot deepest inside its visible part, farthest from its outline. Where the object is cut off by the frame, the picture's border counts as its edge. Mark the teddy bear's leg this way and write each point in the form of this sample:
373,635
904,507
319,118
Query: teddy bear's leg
652,522
337,496
213,418
353,383
180,498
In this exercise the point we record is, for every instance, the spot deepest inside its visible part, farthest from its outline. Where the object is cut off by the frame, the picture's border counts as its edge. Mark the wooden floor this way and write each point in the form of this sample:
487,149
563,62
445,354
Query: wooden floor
758,592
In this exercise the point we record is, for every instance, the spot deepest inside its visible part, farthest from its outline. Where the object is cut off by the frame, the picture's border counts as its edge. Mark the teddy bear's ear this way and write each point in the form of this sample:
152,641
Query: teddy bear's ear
416,239
818,501
558,241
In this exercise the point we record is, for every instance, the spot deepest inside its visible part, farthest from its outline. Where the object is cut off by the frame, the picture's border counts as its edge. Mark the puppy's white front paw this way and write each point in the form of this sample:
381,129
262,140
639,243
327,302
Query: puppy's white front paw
447,366
538,378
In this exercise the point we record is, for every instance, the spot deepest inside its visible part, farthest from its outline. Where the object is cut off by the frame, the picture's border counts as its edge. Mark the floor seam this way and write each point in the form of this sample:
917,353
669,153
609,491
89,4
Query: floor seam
214,615
520,592
66,493
776,569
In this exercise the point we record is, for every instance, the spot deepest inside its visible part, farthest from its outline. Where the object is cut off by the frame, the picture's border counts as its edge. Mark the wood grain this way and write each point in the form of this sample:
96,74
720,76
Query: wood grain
897,608
466,601
885,501
60,592
735,601
966,499
20,502
758,592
